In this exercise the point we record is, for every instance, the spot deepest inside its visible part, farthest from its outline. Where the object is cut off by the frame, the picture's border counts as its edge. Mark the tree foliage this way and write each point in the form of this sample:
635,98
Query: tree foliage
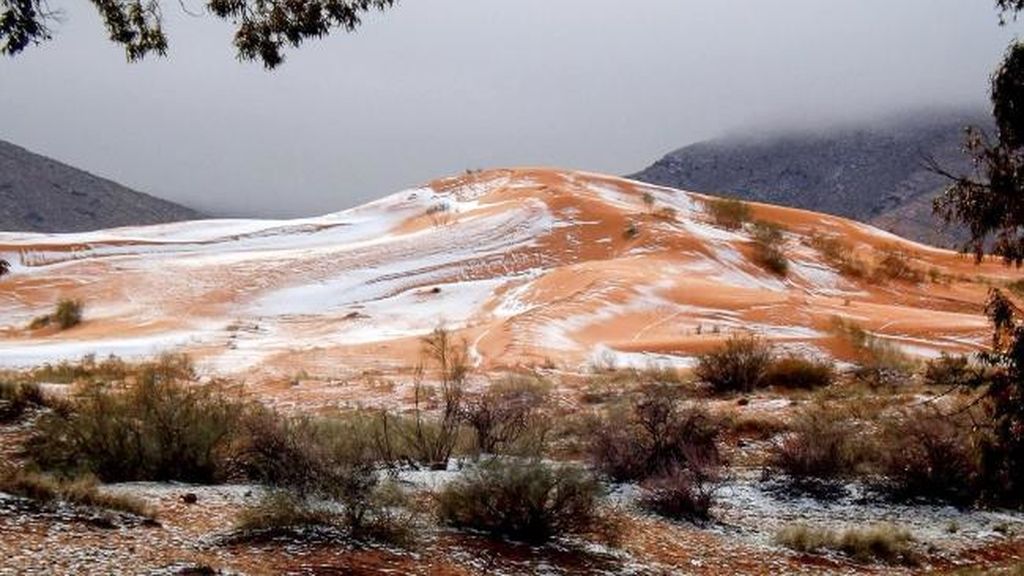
263,28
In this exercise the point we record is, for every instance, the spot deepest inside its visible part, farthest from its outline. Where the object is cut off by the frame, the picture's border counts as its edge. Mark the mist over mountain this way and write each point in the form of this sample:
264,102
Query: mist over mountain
873,172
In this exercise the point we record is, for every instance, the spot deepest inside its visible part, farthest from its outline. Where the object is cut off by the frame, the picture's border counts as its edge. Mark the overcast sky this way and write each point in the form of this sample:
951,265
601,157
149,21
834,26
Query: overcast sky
433,87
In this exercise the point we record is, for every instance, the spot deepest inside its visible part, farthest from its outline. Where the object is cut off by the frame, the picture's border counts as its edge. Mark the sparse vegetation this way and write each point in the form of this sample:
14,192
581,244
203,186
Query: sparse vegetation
17,398
66,315
798,372
631,231
895,265
839,254
681,494
530,501
821,448
506,417
739,365
882,542
769,244
930,456
447,361
153,428
82,491
880,363
729,213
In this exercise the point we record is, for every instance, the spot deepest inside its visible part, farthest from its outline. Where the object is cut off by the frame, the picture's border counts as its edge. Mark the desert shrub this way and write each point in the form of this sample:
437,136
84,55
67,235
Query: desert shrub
82,491
68,313
895,265
879,362
386,518
799,372
631,231
667,213
839,254
649,200
154,428
681,494
446,360
655,437
820,449
110,369
739,365
728,212
17,398
40,322
882,542
769,243
930,456
530,501
952,371
505,414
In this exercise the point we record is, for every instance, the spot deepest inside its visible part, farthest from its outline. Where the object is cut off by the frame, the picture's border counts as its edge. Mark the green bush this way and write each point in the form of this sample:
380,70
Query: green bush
529,501
154,428
799,372
739,365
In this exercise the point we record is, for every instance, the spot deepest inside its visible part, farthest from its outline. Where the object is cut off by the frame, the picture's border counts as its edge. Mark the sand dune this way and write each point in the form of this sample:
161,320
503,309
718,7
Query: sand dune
529,265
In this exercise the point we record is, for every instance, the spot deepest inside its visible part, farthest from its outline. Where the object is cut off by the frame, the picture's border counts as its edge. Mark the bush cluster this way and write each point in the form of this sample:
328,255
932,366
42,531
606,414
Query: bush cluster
881,542
769,244
739,365
729,212
529,501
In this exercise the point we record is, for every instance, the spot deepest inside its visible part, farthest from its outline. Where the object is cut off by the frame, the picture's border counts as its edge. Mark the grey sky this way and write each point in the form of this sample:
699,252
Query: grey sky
437,86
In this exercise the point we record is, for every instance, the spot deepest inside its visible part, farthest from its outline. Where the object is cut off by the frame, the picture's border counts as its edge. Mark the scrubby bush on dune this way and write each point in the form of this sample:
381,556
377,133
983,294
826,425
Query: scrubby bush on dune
879,362
769,244
739,365
839,254
895,265
728,212
68,313
529,501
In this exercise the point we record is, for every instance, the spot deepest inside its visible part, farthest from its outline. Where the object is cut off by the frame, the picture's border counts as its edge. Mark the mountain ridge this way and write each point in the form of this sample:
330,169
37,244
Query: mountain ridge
40,194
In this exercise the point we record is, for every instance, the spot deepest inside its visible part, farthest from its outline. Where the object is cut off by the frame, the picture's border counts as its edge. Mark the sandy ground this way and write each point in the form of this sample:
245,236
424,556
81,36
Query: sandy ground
531,266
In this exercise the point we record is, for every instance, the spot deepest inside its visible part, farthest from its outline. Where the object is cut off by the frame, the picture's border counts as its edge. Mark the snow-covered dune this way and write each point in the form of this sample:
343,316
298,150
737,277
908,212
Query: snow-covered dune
529,265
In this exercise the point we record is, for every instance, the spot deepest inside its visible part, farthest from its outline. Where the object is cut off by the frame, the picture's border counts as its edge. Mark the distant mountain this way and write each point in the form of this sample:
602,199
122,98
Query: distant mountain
39,194
873,173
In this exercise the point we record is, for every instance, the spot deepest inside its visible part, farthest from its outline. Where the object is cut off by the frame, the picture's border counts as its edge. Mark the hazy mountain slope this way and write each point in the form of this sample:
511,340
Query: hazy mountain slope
39,194
529,266
872,173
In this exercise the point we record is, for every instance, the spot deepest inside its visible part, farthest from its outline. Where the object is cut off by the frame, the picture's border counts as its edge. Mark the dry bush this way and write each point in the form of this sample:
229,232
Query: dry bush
822,448
839,254
895,265
682,494
953,372
882,542
769,244
154,428
82,491
655,437
17,398
113,369
507,418
667,213
799,373
739,365
880,363
68,313
925,455
447,361
529,501
728,212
